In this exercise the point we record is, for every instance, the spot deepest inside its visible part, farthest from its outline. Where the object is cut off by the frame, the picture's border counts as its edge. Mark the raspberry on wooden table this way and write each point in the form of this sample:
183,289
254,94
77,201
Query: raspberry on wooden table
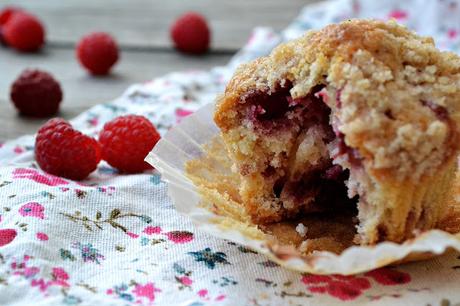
6,13
97,52
36,93
126,141
5,16
60,150
24,32
2,38
190,33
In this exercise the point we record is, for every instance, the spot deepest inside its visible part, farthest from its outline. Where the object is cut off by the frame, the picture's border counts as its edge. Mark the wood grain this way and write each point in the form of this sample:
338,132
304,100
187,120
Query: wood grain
147,22
81,90
141,28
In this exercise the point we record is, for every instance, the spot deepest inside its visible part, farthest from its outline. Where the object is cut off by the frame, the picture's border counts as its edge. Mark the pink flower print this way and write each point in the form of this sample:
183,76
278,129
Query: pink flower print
34,175
149,230
452,33
132,235
59,279
389,277
18,150
180,236
220,298
40,283
181,114
93,121
32,209
59,274
343,291
398,15
6,236
202,293
185,280
42,236
315,279
28,272
345,288
31,271
148,291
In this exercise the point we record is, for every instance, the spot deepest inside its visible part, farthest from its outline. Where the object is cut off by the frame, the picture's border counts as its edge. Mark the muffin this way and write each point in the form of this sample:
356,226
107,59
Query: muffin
360,115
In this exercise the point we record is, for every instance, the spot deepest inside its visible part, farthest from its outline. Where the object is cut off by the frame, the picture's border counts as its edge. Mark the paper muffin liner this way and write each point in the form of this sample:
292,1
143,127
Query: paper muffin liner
205,205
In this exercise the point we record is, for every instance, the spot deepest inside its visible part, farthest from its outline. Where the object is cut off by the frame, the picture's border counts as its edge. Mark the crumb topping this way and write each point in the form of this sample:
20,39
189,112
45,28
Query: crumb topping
377,76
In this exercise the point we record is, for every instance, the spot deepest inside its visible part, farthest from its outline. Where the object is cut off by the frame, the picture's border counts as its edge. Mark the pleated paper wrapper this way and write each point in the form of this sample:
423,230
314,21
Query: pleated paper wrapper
192,160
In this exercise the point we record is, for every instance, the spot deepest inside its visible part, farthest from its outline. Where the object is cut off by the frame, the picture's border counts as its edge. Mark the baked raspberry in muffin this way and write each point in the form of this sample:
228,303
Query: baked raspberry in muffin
361,114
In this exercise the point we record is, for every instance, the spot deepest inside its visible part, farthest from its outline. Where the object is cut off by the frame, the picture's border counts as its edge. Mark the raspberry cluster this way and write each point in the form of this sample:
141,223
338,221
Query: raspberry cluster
59,148
63,151
124,143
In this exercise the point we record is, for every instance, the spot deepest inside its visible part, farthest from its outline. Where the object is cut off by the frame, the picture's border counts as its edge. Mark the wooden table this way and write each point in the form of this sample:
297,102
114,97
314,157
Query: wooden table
141,28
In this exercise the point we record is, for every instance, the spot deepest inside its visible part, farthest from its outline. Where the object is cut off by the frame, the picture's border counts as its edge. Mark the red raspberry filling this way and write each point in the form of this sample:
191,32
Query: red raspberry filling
440,111
269,106
277,112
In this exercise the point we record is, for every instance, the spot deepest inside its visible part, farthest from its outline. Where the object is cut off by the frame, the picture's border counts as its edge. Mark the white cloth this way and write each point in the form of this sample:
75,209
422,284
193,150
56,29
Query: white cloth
116,239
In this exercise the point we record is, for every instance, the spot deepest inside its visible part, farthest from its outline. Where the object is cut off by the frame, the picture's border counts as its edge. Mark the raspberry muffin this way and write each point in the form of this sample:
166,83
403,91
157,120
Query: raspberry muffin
359,115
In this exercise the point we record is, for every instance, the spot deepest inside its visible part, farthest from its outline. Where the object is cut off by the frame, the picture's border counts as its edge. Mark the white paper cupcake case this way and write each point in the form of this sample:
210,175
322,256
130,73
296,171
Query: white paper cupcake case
185,142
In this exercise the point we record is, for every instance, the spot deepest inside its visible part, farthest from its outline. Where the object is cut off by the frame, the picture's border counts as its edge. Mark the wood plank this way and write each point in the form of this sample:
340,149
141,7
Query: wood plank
82,91
147,22
141,25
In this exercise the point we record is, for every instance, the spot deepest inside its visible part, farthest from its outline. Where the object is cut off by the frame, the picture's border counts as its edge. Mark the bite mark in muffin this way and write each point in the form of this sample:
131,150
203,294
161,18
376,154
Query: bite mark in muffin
359,115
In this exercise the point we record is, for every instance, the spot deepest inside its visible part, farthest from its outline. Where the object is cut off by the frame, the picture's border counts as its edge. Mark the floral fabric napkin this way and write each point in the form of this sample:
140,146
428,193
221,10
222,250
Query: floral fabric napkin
117,240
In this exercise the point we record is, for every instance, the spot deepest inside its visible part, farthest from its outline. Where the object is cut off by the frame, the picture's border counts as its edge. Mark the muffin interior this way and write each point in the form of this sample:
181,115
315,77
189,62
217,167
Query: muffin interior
322,231
300,172
364,104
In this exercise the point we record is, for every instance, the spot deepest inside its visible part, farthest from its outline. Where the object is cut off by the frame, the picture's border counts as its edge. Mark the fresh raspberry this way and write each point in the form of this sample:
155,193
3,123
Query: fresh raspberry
6,14
36,93
97,52
2,38
191,34
24,32
126,141
60,150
